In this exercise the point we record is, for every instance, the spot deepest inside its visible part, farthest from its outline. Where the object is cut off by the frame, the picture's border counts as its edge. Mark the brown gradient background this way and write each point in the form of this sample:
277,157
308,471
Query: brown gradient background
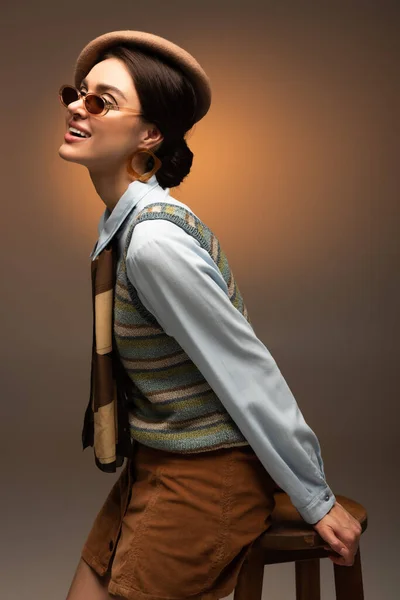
295,170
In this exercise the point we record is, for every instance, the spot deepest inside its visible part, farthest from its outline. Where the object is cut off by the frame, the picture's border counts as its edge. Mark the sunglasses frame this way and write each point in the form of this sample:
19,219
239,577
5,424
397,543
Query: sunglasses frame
107,105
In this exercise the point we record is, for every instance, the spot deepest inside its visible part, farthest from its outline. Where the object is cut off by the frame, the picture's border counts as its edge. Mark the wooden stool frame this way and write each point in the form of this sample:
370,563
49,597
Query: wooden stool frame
291,539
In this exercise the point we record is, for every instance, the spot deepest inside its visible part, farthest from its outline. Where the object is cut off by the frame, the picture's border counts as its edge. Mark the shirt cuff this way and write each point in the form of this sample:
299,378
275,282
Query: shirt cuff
319,506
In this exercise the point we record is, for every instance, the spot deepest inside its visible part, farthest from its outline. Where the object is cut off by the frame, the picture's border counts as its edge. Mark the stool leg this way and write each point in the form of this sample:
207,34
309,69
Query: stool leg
348,580
308,585
250,579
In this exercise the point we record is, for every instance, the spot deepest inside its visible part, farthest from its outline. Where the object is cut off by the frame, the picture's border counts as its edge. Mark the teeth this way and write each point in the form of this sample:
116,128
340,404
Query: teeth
78,131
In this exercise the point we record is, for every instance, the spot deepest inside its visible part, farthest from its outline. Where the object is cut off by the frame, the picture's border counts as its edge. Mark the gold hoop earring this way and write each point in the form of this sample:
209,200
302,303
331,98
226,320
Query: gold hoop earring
145,176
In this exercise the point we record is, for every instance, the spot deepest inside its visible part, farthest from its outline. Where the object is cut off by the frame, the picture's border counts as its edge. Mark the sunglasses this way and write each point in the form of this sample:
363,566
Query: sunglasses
94,104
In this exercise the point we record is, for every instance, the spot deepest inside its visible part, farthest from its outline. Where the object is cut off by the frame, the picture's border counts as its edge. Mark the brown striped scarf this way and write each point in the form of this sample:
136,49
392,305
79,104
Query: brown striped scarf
106,424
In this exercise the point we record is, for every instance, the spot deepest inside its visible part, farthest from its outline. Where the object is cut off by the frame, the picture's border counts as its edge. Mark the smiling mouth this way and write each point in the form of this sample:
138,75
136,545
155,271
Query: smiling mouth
74,137
84,137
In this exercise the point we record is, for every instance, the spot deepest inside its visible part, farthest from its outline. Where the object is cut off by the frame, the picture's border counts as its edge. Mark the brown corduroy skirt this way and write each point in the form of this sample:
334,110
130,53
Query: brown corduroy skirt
177,526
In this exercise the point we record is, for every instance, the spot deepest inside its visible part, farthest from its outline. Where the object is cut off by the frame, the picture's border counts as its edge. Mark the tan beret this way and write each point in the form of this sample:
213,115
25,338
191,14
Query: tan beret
166,49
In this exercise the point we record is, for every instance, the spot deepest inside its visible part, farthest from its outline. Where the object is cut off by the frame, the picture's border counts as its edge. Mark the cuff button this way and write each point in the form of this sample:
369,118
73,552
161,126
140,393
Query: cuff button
327,497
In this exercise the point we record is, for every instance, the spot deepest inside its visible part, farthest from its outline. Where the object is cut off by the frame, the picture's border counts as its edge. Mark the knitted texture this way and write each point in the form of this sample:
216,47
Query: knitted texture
171,406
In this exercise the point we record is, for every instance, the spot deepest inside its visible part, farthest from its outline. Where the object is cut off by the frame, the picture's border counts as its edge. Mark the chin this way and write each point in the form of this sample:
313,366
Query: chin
63,152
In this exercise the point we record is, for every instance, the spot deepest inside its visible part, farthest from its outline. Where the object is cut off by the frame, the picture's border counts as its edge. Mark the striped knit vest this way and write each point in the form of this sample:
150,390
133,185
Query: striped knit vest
171,405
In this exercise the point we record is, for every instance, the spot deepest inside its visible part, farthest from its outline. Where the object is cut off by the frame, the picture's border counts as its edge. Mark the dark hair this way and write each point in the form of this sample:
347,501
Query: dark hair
168,100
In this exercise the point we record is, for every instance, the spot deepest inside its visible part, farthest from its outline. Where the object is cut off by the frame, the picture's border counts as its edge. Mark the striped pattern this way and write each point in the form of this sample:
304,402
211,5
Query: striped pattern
170,404
104,417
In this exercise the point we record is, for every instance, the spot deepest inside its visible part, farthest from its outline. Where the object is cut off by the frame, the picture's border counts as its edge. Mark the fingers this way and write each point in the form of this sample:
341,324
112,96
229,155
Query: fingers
344,537
337,545
340,561
342,532
345,558
344,543
342,555
350,537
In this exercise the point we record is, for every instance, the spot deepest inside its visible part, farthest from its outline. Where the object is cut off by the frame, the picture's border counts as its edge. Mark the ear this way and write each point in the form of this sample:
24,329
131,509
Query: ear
152,137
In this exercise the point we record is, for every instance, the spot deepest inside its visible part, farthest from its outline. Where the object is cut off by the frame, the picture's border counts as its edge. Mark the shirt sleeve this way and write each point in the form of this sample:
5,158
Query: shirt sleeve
180,284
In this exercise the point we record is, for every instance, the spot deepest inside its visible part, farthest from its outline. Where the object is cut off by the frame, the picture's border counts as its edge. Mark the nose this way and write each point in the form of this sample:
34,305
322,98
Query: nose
77,108
78,104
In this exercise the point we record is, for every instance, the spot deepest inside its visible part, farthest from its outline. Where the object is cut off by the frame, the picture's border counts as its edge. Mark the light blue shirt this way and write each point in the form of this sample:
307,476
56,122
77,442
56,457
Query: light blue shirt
180,284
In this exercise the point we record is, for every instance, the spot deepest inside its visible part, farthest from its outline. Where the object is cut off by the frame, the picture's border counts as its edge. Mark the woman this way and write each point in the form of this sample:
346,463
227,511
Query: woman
181,386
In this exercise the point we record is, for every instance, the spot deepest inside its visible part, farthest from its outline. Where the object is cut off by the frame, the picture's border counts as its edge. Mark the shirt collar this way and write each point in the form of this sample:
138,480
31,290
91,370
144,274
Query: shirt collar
111,222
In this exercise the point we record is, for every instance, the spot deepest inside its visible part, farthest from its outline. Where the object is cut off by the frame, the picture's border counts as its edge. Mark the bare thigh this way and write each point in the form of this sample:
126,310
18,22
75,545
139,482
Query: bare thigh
87,585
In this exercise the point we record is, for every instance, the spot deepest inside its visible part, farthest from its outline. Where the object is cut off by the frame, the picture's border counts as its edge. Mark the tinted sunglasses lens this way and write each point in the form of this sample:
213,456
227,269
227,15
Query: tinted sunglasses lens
68,95
94,104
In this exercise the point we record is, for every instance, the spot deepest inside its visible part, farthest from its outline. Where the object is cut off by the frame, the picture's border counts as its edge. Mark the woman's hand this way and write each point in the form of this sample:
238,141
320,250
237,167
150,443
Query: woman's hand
342,532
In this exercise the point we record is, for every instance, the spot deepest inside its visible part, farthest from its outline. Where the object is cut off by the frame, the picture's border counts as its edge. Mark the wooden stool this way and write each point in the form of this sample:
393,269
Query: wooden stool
290,538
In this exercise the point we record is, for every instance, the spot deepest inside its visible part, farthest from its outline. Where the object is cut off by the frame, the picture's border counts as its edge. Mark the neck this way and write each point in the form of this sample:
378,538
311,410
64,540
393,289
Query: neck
110,187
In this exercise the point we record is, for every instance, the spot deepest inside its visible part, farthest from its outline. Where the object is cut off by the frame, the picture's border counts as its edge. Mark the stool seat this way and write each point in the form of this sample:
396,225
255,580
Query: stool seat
291,539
